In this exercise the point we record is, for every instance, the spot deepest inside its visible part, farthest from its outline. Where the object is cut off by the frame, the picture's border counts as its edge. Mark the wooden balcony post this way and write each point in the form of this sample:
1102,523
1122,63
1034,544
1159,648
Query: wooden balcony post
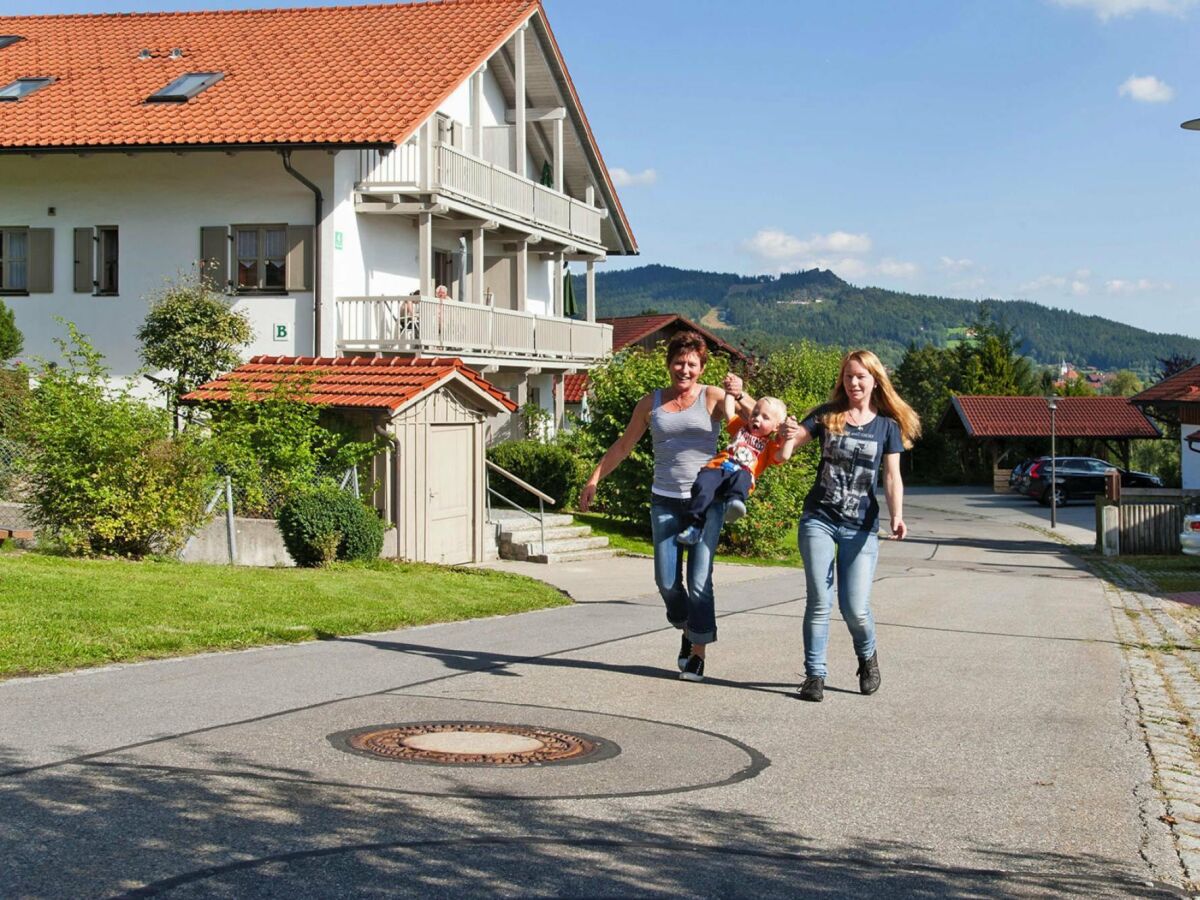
589,196
558,155
558,283
522,274
428,164
519,165
591,290
425,252
477,111
477,266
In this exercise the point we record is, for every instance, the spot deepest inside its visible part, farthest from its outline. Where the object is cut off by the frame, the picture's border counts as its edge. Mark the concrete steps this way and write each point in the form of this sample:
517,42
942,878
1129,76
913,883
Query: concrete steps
520,537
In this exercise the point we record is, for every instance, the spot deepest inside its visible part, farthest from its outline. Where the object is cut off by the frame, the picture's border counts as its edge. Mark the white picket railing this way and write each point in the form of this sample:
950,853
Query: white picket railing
428,327
461,174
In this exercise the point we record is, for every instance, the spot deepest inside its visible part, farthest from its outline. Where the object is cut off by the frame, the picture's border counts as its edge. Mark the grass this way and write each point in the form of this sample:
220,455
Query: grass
627,537
58,613
1169,574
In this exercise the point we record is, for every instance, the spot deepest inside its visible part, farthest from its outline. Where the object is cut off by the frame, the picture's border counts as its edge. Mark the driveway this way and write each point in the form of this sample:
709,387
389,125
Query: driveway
1000,757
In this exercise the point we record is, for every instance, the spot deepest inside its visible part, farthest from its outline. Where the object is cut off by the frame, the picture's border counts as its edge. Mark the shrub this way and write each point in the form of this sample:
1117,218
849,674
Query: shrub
326,524
11,339
552,469
105,475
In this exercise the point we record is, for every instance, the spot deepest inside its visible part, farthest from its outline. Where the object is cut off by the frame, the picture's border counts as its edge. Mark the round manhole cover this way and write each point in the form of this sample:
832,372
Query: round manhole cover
473,744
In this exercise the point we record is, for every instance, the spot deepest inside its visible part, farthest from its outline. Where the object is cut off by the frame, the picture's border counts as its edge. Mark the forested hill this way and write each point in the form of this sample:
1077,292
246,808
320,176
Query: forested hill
763,311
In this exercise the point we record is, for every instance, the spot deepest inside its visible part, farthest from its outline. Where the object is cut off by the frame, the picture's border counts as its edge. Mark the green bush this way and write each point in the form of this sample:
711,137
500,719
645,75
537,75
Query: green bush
104,473
11,339
552,469
327,524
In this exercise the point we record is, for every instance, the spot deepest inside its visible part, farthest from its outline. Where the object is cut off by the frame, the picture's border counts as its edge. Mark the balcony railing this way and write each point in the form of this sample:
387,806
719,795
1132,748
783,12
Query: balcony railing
428,327
460,174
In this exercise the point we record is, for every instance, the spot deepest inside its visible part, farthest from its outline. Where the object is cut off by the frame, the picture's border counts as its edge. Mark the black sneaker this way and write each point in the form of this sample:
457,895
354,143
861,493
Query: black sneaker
685,650
813,689
868,674
693,670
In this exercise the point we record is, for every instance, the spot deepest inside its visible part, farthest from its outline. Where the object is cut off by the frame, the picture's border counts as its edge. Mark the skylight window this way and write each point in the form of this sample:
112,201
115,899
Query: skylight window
185,87
8,39
23,87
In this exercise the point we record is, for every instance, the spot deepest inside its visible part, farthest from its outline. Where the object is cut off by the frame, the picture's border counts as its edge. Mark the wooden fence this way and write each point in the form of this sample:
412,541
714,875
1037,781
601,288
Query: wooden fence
1142,522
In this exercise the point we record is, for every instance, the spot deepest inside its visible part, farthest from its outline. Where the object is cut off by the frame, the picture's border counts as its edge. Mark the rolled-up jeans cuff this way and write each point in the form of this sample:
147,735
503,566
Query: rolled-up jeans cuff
701,637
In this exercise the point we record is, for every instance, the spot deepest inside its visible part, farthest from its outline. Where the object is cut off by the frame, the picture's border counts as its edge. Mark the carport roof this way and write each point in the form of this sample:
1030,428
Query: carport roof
352,382
1012,417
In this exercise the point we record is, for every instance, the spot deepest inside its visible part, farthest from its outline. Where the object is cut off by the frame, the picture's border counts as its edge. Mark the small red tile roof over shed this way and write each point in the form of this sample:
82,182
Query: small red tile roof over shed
1094,417
350,74
1182,387
348,382
575,387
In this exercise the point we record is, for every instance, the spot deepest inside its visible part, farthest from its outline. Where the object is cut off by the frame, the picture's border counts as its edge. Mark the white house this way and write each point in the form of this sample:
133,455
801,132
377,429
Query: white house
328,167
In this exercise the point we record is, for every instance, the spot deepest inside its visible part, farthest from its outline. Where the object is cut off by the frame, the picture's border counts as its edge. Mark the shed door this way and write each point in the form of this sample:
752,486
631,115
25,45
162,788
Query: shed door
451,480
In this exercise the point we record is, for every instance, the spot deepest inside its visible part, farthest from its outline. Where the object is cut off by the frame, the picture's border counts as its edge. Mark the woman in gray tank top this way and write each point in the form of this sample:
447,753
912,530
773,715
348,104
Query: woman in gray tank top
684,421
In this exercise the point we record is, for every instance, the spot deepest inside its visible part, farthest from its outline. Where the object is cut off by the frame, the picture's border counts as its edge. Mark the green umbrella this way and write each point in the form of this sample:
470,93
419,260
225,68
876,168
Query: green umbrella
570,308
547,174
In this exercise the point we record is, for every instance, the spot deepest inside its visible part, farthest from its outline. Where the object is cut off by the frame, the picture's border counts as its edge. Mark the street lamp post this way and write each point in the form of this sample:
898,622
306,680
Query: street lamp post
1052,403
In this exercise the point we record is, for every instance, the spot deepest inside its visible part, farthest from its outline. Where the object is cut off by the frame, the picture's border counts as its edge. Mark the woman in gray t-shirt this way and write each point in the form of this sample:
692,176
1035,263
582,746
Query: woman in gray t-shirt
864,426
685,422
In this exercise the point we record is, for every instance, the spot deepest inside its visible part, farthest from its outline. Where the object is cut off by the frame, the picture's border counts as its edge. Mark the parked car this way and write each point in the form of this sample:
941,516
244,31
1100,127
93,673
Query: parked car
1018,473
1078,476
1189,538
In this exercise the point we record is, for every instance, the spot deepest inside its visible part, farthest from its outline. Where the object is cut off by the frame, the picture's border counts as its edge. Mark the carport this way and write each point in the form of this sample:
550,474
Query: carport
997,422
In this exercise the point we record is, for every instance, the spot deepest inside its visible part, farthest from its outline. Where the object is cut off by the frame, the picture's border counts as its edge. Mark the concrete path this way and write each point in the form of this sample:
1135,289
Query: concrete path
1000,758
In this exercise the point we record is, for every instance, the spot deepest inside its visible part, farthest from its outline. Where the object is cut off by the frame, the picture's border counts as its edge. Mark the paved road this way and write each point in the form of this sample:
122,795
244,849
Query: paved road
1000,757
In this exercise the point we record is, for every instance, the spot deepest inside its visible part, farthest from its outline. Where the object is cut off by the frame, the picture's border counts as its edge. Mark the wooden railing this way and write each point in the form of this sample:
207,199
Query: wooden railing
459,173
427,326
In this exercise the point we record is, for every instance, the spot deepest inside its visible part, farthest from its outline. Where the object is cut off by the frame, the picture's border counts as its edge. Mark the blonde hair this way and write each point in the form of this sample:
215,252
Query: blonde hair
884,398
774,404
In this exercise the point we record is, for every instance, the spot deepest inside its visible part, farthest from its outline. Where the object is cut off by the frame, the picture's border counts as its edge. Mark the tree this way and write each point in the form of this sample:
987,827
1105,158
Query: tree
990,362
193,333
11,340
1173,365
1075,387
1123,383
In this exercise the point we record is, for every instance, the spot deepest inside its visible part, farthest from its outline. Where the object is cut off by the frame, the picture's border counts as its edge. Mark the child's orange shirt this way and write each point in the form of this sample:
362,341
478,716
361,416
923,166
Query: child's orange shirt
746,450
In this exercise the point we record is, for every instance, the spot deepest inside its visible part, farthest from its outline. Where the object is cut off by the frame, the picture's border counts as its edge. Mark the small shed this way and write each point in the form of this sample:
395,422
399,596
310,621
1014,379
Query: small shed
1177,400
431,486
997,420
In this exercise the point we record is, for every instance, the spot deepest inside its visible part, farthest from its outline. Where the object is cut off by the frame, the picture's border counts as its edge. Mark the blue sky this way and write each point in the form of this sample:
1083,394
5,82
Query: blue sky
1027,149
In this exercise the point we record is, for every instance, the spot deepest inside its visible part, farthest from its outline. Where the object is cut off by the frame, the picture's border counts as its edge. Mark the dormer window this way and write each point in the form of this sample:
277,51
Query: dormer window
7,40
185,87
22,88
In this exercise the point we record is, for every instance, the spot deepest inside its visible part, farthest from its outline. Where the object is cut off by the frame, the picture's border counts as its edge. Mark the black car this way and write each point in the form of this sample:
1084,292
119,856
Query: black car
1078,476
1018,473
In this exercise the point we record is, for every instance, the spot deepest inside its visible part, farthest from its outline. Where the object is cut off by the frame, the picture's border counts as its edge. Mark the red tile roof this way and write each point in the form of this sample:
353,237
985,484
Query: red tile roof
1181,387
356,382
575,387
631,329
1096,417
350,74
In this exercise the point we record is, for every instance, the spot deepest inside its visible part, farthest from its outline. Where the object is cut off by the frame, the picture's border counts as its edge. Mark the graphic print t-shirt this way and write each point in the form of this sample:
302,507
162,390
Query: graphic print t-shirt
844,492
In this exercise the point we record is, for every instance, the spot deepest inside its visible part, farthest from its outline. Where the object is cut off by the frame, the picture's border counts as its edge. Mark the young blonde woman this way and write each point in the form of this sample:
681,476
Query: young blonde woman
864,426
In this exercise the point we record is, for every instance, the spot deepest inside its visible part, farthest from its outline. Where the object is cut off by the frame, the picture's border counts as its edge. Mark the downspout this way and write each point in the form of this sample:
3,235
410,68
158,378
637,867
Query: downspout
286,156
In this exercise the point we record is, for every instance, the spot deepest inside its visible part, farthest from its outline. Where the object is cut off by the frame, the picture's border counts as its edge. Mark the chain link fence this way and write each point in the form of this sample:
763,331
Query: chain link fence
12,483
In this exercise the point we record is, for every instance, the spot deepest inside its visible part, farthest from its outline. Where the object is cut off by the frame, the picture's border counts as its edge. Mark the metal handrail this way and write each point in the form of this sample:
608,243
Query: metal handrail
543,499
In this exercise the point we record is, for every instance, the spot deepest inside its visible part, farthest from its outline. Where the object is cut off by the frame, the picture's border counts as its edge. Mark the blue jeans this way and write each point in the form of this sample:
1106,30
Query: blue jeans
690,608
852,553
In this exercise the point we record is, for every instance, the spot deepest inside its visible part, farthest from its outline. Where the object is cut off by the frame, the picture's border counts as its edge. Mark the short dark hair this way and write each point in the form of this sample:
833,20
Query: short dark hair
688,342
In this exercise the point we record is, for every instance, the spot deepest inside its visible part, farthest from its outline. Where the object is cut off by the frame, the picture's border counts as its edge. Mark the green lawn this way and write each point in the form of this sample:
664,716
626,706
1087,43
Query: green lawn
58,613
629,538
1169,574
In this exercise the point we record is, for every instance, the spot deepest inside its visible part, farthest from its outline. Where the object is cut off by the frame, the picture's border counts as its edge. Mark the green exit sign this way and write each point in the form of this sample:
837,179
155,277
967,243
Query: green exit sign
281,332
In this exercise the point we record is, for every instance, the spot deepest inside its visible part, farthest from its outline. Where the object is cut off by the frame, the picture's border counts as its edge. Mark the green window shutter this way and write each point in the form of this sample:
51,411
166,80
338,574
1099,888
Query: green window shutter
214,255
41,260
83,261
300,258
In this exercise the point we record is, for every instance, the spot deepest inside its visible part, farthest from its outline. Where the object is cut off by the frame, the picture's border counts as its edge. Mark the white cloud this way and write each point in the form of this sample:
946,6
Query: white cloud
1080,288
1146,89
1115,9
779,246
1140,286
624,178
947,264
1043,283
895,268
968,285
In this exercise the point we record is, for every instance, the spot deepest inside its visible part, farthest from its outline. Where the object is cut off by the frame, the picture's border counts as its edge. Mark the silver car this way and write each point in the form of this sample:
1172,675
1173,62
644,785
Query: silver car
1189,538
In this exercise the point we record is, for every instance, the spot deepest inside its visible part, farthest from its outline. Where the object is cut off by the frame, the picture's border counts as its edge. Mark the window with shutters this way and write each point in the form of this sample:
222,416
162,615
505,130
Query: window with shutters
106,269
261,258
14,260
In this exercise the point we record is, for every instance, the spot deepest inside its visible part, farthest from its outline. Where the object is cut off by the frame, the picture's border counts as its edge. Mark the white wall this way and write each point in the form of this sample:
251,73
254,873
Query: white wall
159,202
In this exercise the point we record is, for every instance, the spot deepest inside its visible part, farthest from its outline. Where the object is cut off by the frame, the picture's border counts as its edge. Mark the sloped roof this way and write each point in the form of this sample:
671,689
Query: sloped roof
631,329
575,387
320,75
1182,387
1089,417
351,382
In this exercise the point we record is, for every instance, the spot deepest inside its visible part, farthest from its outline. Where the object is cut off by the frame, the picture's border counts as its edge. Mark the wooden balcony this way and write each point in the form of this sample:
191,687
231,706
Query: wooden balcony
443,169
482,334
